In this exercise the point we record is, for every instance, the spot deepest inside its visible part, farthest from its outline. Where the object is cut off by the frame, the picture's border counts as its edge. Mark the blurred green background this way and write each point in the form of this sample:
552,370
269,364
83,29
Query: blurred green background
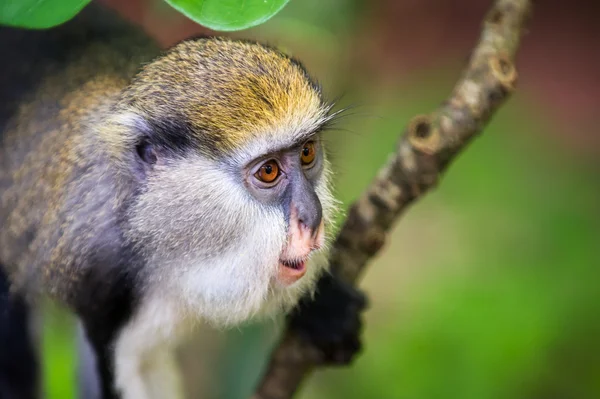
489,286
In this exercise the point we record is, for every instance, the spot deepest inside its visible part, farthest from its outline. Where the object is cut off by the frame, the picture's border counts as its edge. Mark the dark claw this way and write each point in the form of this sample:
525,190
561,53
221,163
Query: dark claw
332,321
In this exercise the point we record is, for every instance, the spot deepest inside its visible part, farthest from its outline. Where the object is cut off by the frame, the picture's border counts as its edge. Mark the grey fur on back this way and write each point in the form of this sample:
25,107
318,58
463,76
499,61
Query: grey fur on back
39,146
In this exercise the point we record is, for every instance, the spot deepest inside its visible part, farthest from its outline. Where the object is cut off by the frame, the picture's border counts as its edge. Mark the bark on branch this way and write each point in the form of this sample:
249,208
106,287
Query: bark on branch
423,152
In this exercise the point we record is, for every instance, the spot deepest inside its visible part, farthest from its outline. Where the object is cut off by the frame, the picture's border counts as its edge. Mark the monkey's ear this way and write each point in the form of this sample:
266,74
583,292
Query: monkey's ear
147,152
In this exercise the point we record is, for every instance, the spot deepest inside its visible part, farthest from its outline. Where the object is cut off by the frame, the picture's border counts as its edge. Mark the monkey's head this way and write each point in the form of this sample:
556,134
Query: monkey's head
221,140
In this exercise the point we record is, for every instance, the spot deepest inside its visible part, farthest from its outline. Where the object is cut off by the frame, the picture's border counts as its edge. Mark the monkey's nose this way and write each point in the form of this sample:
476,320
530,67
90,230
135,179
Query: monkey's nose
303,238
310,213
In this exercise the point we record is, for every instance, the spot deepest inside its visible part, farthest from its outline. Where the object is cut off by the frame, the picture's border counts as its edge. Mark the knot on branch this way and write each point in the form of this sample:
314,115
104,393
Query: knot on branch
495,17
504,78
503,69
423,136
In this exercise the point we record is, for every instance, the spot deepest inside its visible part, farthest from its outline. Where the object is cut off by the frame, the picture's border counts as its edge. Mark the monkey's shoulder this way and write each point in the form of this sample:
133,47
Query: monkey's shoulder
52,81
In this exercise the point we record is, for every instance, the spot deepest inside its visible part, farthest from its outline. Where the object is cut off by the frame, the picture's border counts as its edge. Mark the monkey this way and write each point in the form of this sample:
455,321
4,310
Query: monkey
149,191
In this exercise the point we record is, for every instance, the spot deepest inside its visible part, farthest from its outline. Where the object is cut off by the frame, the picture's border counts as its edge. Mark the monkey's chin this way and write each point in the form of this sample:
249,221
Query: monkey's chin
290,271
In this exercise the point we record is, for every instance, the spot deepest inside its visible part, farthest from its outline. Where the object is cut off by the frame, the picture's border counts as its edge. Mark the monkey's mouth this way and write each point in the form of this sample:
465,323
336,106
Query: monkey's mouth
291,270
296,264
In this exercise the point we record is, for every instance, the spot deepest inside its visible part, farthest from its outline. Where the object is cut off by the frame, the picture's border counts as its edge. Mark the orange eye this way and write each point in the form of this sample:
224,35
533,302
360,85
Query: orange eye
268,172
307,155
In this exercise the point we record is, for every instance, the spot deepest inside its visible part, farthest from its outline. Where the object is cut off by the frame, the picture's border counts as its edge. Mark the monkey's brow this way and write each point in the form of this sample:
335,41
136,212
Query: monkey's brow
304,137
296,143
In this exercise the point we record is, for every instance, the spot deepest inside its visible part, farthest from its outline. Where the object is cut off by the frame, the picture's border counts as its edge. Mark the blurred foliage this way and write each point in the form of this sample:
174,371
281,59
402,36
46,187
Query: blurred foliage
38,14
487,287
228,15
59,360
220,15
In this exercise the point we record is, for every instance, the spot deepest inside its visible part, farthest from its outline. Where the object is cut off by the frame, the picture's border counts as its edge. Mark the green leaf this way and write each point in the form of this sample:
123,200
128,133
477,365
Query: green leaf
38,14
228,15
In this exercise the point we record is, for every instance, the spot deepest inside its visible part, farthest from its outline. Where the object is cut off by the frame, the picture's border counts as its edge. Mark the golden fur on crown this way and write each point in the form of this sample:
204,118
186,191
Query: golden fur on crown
230,90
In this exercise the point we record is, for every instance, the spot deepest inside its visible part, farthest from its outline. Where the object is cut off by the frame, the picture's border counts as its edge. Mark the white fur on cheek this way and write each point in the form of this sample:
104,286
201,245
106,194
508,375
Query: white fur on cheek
234,286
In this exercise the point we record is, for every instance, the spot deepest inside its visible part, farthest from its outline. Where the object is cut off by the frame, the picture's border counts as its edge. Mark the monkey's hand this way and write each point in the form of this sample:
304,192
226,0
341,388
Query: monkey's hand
332,320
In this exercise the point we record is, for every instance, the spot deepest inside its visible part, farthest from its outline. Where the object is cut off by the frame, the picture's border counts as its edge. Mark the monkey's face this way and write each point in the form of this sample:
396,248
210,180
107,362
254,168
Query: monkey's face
233,197
288,178
235,237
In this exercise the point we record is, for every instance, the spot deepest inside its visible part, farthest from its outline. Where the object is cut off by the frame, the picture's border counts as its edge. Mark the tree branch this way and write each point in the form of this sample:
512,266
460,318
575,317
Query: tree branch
424,151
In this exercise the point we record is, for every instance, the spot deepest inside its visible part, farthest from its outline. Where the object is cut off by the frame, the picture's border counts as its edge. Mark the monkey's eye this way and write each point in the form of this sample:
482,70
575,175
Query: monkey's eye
147,152
307,155
268,172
